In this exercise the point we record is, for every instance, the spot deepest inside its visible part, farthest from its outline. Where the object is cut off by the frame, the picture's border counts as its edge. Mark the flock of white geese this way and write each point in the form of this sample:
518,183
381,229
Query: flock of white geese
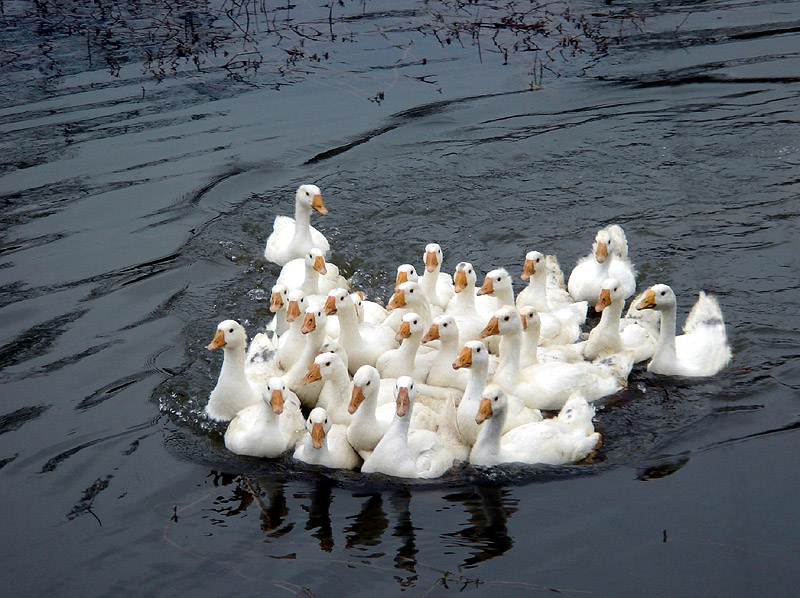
447,371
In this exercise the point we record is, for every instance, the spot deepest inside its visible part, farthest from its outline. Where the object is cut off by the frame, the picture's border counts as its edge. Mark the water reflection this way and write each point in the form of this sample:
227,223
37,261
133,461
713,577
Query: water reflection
489,509
368,531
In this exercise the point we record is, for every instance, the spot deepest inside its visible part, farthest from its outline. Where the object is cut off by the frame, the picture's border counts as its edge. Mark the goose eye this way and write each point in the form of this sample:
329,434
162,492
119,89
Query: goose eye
445,325
505,319
326,420
328,363
495,399
415,322
231,330
662,294
477,350
368,381
470,271
499,278
410,290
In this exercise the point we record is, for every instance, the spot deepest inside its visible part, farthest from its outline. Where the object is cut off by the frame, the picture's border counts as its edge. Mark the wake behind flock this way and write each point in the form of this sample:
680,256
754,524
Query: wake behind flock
445,371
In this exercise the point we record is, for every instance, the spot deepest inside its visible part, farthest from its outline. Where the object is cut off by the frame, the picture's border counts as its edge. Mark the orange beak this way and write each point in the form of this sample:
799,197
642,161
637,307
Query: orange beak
276,400
401,278
397,300
312,376
403,401
317,204
528,270
432,334
464,359
309,324
602,253
604,301
403,333
487,288
493,327
460,281
430,261
484,411
355,400
319,265
218,341
330,305
317,436
648,301
275,302
293,311
524,321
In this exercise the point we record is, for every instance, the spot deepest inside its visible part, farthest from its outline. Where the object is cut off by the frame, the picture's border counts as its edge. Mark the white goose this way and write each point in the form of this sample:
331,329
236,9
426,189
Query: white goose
368,311
532,353
702,350
549,385
420,455
314,331
568,438
470,311
475,356
444,327
268,428
546,290
561,319
437,285
292,238
291,342
605,261
233,391
363,343
409,297
614,334
312,274
407,359
336,387
326,444
405,273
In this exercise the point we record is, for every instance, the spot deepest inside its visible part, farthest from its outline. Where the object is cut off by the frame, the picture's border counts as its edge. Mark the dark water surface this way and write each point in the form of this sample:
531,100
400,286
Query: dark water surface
134,215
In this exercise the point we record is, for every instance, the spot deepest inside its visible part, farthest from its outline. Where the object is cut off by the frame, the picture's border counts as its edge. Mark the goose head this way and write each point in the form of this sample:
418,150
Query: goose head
315,319
443,327
603,246
318,425
322,366
464,277
433,257
496,280
472,353
493,402
230,335
310,197
405,273
366,383
534,264
338,299
358,298
315,260
530,320
610,291
273,394
279,297
659,297
296,304
411,327
404,394
334,347
407,294
504,321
